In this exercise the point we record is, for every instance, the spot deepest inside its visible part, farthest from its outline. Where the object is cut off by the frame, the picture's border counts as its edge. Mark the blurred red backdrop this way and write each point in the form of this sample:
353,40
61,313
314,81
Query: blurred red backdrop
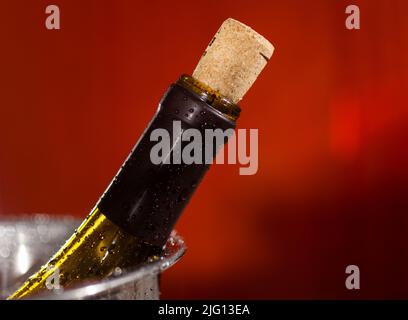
331,109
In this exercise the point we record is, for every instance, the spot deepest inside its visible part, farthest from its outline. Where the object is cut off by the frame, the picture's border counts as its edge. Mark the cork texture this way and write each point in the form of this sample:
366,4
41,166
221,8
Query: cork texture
233,60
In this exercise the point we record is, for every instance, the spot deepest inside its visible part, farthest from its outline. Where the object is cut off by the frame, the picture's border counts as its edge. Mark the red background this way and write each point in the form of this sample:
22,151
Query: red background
331,109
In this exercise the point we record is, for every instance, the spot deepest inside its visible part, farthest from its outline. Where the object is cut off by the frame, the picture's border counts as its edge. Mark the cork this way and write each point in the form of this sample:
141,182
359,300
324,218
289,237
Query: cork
233,60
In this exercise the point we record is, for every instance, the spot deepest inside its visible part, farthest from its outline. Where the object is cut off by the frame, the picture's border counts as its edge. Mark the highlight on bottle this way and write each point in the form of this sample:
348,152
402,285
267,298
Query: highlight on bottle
201,148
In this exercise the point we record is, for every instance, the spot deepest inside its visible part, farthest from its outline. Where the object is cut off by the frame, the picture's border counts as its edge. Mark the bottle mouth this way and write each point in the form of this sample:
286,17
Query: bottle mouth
210,96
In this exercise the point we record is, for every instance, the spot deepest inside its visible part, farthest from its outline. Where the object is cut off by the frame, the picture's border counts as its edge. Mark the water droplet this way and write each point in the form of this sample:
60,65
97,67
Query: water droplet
117,271
191,110
153,258
165,265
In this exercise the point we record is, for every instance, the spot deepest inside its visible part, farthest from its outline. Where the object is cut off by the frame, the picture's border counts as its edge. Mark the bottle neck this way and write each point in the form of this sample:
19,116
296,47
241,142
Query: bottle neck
210,96
146,197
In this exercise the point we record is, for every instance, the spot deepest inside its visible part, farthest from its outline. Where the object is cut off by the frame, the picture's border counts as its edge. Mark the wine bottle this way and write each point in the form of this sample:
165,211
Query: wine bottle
133,219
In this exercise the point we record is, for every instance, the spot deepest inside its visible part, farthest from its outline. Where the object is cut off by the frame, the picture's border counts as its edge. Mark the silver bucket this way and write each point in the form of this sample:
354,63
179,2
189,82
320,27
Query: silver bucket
27,242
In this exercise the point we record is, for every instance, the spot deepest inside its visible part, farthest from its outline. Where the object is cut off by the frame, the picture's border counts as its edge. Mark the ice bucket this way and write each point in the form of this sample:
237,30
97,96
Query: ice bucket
28,241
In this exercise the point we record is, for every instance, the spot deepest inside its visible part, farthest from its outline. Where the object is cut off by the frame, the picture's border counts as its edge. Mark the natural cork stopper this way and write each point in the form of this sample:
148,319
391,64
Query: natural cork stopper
233,60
